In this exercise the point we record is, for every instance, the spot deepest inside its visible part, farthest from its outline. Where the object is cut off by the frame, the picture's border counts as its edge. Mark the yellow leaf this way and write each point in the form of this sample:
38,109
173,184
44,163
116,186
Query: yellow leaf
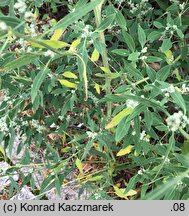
75,43
97,87
66,149
120,192
69,74
79,166
52,43
169,57
116,119
57,34
125,151
2,151
95,56
68,84
96,178
106,70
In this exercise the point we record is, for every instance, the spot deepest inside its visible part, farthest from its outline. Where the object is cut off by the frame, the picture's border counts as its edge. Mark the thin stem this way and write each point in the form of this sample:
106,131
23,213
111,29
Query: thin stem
97,12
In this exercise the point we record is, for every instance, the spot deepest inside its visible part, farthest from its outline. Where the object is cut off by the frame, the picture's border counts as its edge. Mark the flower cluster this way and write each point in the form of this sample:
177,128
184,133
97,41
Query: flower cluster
49,53
184,89
144,136
36,125
177,120
86,32
20,6
141,171
29,16
91,134
3,26
168,90
131,103
142,52
3,125
141,8
24,46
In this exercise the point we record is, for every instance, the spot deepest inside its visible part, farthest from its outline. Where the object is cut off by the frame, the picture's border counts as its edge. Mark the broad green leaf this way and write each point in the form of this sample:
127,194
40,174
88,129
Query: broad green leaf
76,15
128,40
121,52
69,74
141,36
67,83
166,45
182,159
125,151
151,73
19,62
163,73
163,4
151,59
120,19
122,129
180,34
158,24
105,23
38,80
12,22
51,43
132,71
178,99
116,119
133,56
154,35
79,165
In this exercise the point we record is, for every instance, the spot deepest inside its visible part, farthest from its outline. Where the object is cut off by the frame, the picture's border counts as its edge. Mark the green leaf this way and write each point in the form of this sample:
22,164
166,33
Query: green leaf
128,40
76,15
184,160
120,19
116,119
178,99
163,73
166,45
158,24
154,35
132,71
151,73
38,81
12,22
105,23
133,56
121,52
151,59
122,129
141,36
19,62
180,34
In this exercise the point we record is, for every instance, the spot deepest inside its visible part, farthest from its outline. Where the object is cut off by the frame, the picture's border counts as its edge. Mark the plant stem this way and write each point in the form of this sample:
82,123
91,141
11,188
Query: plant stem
97,12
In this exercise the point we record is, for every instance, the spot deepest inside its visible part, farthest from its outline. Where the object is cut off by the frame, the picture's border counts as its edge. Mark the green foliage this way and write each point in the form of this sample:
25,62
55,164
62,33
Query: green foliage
100,89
